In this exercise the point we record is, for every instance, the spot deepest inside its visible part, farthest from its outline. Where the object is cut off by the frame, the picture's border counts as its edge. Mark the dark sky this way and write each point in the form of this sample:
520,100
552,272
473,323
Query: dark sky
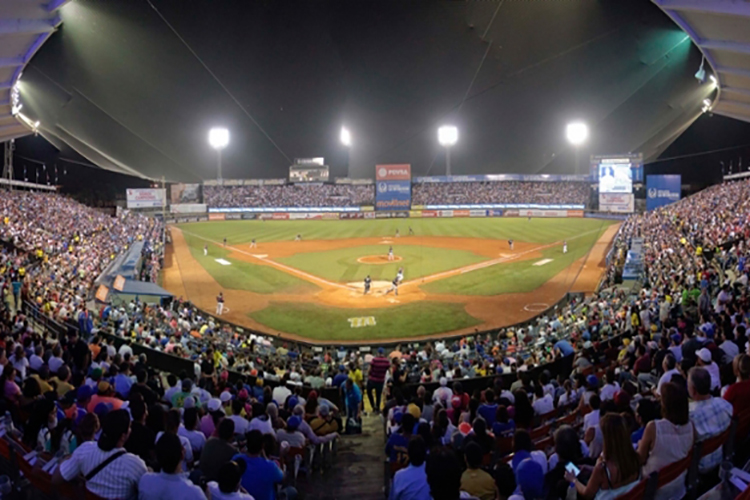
119,87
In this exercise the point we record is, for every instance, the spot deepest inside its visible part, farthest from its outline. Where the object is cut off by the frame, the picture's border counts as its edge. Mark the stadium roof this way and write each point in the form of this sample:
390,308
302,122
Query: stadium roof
721,29
134,86
24,26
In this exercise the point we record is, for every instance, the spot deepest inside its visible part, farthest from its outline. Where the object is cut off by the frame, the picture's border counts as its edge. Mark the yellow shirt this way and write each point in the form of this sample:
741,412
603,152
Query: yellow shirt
356,376
478,483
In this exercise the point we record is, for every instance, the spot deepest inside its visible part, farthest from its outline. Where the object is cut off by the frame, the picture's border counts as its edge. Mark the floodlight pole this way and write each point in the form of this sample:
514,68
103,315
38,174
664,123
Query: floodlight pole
218,169
447,160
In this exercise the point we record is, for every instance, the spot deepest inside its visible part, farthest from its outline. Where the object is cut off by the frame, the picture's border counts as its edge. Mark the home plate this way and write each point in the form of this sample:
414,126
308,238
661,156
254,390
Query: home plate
259,255
223,262
543,261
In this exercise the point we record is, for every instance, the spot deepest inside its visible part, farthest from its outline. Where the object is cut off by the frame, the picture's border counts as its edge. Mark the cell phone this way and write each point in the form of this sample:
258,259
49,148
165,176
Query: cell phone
572,468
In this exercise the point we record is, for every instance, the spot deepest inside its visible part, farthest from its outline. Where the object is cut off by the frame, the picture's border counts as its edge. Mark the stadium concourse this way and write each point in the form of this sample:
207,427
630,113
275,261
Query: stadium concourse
641,380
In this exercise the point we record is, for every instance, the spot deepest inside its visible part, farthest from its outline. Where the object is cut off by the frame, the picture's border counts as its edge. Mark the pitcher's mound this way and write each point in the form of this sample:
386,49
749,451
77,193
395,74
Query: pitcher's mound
375,286
378,259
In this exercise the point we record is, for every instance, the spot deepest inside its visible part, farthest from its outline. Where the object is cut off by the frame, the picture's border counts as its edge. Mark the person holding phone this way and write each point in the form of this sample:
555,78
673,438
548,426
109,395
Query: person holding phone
569,457
618,468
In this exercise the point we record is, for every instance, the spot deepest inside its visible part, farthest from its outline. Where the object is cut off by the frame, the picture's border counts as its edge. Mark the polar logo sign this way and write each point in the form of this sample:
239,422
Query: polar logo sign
393,187
362,321
662,190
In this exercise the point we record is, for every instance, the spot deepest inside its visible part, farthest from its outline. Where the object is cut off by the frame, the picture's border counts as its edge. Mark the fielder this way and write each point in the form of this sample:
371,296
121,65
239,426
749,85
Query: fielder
219,304
565,247
394,287
510,244
390,253
368,282
411,231
298,237
253,244
225,242
398,234
205,250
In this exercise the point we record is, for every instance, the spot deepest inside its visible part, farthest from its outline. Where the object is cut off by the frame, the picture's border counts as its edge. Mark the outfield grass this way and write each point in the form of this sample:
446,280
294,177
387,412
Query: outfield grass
519,229
318,322
518,277
241,275
341,265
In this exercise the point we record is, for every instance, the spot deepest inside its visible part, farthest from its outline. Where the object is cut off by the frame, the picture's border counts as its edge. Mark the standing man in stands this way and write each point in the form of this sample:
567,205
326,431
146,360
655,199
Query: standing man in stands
219,303
376,378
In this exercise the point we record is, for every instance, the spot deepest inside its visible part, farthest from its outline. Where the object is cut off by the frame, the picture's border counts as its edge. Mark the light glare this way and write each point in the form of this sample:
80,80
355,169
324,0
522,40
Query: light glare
346,137
577,133
218,138
447,135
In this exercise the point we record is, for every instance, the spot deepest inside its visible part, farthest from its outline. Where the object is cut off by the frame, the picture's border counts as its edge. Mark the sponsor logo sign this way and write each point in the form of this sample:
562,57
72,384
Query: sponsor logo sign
392,187
362,321
415,214
429,213
461,213
145,198
216,216
662,190
477,213
280,216
616,202
232,216
393,172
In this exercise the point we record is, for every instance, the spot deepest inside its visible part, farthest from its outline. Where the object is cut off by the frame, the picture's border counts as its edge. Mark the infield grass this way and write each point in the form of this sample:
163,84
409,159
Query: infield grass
318,322
341,265
241,275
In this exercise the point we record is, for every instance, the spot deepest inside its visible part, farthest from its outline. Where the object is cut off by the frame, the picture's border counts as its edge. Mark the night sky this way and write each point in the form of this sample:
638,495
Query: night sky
116,86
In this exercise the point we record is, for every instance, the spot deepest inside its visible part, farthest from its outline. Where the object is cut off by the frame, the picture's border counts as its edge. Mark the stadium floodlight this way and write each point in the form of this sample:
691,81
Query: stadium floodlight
447,137
218,138
346,137
577,133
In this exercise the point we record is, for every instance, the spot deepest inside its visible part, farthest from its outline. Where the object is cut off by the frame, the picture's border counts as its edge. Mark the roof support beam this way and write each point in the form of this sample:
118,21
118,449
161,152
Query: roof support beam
742,118
10,62
733,71
736,91
6,85
737,47
55,5
733,104
725,7
27,26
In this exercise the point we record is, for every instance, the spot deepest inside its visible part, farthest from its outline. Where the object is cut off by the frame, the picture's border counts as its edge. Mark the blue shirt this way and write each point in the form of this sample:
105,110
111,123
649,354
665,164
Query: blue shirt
488,413
397,448
410,484
339,379
159,486
122,384
565,348
260,477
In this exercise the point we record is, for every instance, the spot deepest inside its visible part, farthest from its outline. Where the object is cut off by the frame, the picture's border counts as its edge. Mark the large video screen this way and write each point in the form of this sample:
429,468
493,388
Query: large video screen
615,178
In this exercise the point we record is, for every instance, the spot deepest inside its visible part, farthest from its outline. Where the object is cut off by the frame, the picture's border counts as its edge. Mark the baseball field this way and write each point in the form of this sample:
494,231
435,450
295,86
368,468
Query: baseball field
458,274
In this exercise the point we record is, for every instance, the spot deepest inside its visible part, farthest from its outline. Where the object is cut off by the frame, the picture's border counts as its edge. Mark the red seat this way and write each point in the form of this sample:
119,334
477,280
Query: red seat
568,419
710,445
636,493
672,471
539,432
545,443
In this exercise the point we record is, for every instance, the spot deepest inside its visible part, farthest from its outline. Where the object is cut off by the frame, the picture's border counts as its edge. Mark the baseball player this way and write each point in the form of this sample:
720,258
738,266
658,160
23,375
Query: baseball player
390,253
205,250
411,231
219,304
298,237
400,275
225,242
398,234
510,244
394,286
368,282
253,244
565,247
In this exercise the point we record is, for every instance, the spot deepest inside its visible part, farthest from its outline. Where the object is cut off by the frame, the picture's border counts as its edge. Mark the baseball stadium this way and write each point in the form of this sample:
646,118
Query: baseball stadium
423,250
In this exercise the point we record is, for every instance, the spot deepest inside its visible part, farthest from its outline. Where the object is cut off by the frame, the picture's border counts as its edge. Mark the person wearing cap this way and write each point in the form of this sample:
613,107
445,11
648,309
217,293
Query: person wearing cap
104,394
710,415
376,379
324,423
305,428
291,433
169,483
442,393
340,377
227,485
352,402
178,398
211,420
119,471
704,360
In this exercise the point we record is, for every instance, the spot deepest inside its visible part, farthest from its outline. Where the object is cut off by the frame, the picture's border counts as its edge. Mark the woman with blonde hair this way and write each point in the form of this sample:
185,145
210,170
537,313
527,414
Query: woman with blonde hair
617,470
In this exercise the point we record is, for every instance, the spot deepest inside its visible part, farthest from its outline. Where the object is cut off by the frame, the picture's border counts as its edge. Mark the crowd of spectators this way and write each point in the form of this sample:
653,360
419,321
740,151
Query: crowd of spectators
513,192
674,357
289,195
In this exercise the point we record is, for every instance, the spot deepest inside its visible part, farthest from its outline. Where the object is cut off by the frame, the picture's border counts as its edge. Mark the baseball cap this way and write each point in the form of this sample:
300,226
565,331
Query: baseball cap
225,396
592,381
242,394
414,410
324,410
293,423
187,385
102,409
397,415
96,373
84,392
381,350
704,354
464,428
456,402
292,402
214,404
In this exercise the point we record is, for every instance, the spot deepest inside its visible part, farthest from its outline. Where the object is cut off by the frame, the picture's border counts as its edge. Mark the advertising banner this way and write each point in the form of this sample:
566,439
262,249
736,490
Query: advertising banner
494,213
429,213
501,178
615,202
185,193
216,216
369,215
188,208
461,213
415,214
543,213
445,213
246,216
145,198
662,190
575,213
392,187
232,216
477,213
280,216
487,206
354,215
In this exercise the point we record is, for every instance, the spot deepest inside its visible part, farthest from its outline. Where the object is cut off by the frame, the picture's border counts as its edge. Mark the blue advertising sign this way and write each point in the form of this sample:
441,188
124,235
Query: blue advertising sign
392,195
501,178
662,190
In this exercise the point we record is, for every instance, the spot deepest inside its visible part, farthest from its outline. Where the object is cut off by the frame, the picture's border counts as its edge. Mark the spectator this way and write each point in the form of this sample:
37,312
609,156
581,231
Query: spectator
227,487
376,378
291,433
504,426
218,450
324,423
189,430
567,450
668,440
710,415
646,411
171,426
142,438
110,471
411,483
261,475
443,472
474,480
619,472
738,394
705,361
169,483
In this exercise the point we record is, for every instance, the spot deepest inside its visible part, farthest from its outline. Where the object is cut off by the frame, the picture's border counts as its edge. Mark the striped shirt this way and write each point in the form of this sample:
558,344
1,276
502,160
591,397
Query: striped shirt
119,479
378,368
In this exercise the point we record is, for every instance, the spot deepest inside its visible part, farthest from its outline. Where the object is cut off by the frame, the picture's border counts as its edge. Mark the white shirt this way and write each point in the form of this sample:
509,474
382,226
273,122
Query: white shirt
197,438
161,486
55,364
20,365
216,493
666,378
609,391
119,479
35,362
730,349
280,394
543,405
591,419
263,425
713,370
295,439
241,424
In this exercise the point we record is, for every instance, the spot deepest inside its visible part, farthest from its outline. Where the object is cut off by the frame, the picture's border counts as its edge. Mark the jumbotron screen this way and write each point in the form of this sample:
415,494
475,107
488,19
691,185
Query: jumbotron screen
615,177
308,173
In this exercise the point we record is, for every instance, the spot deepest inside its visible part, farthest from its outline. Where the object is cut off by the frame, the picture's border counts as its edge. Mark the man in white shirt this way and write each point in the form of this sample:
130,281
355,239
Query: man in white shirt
56,361
36,361
669,365
280,393
125,349
591,419
730,348
442,393
543,403
241,424
704,360
116,479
